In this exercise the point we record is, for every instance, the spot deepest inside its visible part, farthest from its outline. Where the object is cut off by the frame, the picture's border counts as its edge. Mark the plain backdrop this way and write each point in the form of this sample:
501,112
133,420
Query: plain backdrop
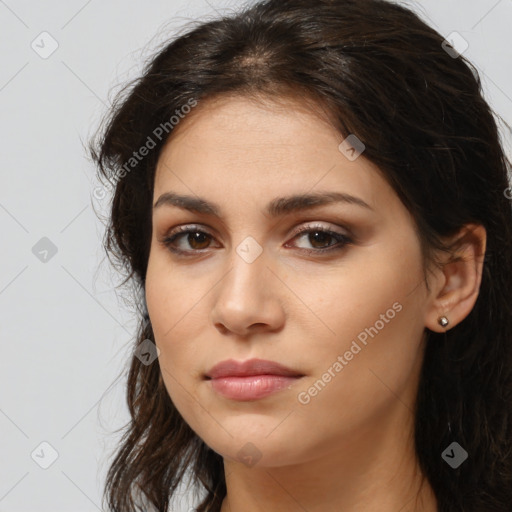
65,334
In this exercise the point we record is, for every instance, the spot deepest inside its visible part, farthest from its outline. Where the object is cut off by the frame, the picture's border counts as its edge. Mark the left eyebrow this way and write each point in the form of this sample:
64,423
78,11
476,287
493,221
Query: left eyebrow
277,207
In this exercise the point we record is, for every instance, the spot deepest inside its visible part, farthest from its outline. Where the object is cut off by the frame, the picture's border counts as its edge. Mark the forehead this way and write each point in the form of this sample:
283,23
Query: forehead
234,145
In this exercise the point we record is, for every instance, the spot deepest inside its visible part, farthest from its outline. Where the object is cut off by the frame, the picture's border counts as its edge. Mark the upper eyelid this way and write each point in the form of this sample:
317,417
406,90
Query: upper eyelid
297,230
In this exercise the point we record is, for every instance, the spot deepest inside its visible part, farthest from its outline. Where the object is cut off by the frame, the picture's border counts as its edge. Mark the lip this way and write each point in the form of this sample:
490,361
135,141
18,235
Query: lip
251,367
250,380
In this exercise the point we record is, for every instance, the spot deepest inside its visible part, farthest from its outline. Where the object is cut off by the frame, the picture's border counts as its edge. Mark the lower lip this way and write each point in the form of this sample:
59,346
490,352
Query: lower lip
252,387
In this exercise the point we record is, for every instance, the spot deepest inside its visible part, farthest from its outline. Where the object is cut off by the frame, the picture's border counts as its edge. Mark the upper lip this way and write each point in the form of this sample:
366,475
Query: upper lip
232,368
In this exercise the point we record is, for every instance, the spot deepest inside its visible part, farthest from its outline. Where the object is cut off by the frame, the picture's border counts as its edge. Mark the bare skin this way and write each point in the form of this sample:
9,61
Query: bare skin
349,445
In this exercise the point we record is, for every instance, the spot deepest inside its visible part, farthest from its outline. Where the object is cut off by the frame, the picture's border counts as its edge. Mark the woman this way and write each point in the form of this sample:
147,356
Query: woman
311,197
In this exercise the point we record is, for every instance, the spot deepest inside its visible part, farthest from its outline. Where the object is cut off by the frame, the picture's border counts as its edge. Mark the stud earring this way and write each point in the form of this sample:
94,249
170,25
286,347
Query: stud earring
443,321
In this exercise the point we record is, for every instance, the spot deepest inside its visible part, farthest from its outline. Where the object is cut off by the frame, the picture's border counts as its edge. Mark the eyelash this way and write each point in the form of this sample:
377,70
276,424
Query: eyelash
344,240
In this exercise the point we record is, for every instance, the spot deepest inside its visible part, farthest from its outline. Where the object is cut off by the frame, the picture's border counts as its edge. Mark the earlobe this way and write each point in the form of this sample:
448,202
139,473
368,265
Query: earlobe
458,282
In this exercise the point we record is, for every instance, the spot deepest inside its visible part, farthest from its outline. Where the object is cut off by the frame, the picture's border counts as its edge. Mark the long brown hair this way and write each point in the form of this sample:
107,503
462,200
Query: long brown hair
385,76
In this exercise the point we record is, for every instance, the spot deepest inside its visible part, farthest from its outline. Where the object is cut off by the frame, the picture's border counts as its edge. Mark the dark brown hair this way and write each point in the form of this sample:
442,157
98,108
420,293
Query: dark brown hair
383,75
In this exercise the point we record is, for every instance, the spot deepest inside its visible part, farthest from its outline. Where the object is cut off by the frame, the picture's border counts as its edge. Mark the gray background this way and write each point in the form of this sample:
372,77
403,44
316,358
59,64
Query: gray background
65,333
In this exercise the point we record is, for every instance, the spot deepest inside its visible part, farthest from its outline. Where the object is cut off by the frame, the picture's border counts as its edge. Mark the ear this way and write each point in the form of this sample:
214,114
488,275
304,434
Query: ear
456,285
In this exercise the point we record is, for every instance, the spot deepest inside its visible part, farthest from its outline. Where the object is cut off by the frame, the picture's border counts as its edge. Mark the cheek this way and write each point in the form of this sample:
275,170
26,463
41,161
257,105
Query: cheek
171,298
370,314
360,293
177,316
373,364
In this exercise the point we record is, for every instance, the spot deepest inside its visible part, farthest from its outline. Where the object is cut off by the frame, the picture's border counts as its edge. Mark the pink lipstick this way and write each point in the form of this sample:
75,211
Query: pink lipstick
250,380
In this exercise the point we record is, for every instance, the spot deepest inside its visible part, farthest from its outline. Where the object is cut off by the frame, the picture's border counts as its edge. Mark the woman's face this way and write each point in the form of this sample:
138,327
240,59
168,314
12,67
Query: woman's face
342,304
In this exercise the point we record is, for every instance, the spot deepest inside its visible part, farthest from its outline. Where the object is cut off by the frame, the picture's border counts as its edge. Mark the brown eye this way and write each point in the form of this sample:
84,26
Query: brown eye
187,239
197,239
318,237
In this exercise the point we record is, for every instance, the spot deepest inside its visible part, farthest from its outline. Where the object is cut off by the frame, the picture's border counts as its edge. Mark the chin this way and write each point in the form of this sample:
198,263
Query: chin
259,450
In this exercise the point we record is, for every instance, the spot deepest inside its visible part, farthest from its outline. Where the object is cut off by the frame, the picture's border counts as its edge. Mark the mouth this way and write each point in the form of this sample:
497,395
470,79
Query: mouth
249,368
250,380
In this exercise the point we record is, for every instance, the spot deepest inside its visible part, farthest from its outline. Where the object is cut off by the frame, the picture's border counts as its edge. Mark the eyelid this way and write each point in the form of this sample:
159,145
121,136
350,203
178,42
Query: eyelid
308,226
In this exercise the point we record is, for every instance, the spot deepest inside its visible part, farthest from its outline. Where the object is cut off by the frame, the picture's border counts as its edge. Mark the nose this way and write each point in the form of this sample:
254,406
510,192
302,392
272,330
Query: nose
248,298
